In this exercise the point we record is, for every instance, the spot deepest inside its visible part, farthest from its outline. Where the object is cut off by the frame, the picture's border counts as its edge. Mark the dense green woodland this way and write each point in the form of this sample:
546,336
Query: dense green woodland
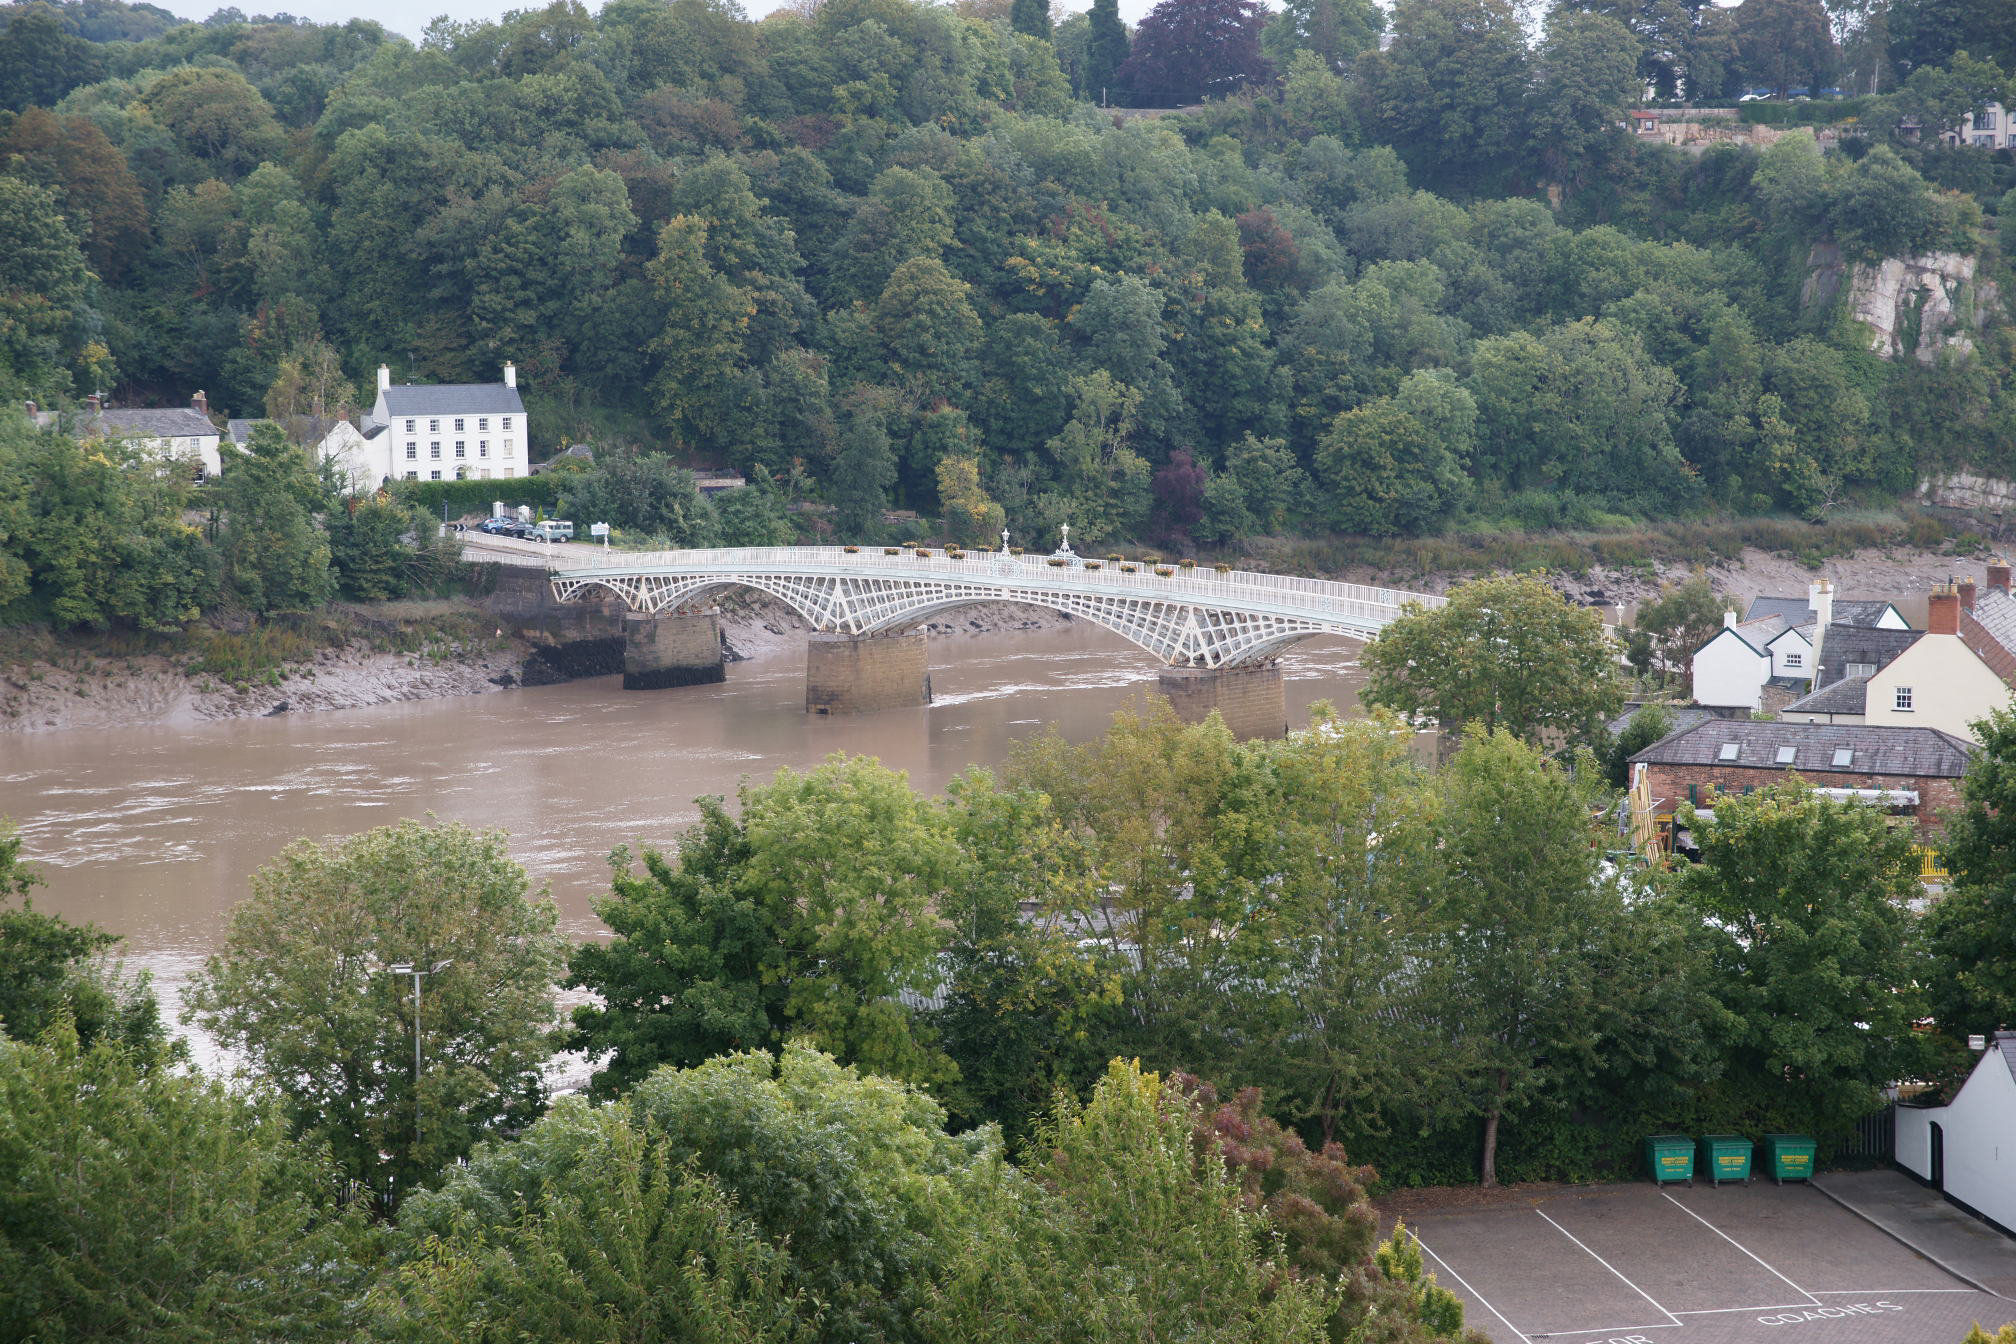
890,254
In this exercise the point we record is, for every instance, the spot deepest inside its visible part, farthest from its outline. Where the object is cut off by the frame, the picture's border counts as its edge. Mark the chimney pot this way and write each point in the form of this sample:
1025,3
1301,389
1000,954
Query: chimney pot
510,374
384,376
200,403
1999,571
1942,612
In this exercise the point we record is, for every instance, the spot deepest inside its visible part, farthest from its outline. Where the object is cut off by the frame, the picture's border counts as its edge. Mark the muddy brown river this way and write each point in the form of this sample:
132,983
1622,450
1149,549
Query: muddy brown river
152,832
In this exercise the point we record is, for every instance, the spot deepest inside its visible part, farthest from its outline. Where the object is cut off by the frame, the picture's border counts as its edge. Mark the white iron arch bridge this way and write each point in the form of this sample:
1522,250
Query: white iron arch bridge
1198,617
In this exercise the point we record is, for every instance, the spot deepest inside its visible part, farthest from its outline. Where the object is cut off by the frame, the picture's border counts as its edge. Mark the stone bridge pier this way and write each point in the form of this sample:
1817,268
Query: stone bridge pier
671,649
860,674
1249,698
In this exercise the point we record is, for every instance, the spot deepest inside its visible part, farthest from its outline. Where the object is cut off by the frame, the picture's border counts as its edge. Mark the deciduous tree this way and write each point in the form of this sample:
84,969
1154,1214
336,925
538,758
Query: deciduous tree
303,990
1506,652
808,916
1970,929
1188,50
1821,990
155,1205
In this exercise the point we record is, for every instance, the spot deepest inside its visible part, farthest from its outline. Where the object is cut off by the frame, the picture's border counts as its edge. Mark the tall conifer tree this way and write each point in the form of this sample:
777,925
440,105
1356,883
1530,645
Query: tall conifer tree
1106,50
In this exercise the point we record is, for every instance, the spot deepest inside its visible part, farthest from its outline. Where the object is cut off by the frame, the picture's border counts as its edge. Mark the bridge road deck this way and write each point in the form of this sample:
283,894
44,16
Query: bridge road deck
1195,617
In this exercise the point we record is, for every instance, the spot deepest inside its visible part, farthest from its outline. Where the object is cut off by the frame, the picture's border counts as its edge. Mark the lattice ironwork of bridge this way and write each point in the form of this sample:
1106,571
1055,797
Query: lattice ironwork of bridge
1186,617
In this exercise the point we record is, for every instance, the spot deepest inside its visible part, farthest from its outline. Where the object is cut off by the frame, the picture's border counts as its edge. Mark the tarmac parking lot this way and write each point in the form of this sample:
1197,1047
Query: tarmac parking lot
1737,1264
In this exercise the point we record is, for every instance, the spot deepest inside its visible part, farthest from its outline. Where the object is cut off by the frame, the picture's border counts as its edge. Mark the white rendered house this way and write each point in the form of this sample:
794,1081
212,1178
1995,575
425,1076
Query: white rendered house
1966,1149
178,433
448,431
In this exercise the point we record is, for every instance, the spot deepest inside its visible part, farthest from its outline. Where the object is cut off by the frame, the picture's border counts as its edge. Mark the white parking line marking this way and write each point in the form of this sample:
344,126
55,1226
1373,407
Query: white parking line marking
1737,1244
1721,1311
1607,1330
1614,1270
1888,1292
1484,1301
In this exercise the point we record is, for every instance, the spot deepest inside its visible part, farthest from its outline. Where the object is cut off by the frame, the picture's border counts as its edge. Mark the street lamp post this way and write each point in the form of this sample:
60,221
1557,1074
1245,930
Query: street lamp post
408,968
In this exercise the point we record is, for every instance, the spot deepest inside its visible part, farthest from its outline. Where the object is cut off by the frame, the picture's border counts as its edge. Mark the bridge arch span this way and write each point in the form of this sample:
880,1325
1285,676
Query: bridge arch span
1186,617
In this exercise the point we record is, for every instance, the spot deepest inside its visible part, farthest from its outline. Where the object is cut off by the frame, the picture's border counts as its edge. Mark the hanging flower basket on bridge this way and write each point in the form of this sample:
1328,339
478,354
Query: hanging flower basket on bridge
1055,563
1164,571
1129,569
892,550
1014,550
1223,569
955,555
923,550
1092,564
851,550
1113,556
1187,564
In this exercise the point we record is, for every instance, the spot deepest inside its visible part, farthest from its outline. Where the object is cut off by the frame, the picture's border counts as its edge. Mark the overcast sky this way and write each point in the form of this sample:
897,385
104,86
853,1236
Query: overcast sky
409,18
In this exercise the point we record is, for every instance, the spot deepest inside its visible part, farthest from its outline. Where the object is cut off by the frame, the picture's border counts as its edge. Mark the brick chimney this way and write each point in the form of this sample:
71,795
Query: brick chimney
200,403
1998,573
510,374
1942,611
384,376
1966,589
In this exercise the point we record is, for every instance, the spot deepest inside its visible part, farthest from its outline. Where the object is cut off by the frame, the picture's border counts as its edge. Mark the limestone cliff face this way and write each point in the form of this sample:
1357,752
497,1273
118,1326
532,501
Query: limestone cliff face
1914,307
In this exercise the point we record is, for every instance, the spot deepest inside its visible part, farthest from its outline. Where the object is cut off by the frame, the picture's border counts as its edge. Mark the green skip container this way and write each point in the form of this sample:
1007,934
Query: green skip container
1725,1157
1669,1157
1790,1156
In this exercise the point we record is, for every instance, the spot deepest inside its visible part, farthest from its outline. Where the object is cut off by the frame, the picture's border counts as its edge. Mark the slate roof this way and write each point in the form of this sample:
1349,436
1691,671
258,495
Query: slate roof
1845,644
1796,611
452,399
1850,695
1683,716
1995,612
239,431
1879,750
174,422
1756,633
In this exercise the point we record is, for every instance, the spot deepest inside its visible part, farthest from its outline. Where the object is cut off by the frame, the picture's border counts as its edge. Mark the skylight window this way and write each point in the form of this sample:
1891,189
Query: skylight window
1729,750
1786,755
1843,757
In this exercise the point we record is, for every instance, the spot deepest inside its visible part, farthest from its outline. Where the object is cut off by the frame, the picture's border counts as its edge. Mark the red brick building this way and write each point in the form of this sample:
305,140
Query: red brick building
1909,772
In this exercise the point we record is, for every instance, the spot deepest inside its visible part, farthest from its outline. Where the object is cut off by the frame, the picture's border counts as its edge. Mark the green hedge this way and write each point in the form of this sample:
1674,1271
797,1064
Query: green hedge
1818,112
464,497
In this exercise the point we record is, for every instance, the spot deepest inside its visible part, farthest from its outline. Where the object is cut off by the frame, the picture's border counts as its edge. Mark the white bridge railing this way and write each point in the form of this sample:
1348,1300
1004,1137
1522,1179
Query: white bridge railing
1353,604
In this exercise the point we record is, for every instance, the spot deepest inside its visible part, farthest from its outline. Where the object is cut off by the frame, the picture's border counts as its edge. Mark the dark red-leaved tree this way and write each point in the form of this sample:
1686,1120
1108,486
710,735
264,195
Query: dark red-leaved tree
1272,259
1188,50
1179,495
1316,1199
